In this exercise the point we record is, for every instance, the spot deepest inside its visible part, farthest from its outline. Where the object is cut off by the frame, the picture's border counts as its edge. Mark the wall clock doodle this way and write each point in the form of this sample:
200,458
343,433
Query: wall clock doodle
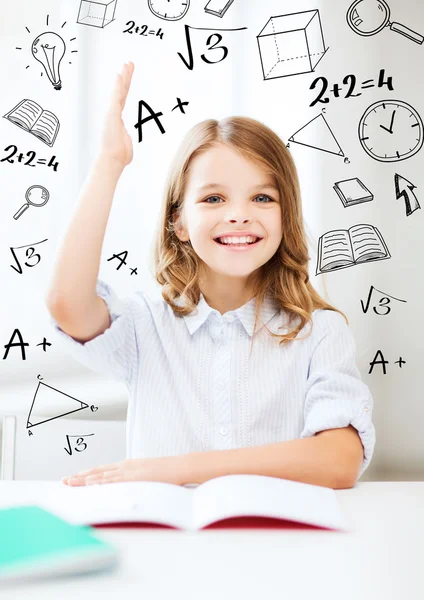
391,130
170,10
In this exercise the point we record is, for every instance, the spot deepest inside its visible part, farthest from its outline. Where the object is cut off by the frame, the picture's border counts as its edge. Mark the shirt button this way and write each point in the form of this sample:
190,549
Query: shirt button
223,431
366,410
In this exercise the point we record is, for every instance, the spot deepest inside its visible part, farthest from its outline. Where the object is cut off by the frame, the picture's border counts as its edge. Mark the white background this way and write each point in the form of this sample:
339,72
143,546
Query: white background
234,86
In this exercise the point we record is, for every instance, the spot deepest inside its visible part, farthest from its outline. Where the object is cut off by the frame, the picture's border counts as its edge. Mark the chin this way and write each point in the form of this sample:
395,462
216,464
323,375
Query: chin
236,273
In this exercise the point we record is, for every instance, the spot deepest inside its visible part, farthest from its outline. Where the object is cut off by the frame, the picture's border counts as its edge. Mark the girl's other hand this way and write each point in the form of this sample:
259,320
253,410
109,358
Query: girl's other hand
167,469
116,141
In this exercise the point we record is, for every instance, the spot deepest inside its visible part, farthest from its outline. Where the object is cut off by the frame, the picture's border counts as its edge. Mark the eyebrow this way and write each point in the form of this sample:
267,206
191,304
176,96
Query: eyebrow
220,185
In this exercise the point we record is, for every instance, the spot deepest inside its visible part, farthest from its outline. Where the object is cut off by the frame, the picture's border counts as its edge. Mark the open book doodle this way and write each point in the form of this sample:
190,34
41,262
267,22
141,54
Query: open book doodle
216,500
341,248
31,117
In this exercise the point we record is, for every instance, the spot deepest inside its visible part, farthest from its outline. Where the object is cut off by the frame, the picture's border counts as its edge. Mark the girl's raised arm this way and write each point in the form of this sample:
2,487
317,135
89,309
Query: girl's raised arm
71,299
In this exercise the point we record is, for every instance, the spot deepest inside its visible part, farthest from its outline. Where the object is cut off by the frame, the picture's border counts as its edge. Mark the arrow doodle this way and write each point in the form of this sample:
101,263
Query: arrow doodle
405,188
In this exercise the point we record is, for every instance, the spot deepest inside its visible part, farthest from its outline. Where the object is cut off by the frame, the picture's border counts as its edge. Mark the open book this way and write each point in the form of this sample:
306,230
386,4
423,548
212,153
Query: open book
30,116
186,508
342,248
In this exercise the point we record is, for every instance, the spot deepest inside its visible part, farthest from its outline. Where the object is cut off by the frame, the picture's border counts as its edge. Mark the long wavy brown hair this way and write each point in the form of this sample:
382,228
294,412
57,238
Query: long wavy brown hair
285,276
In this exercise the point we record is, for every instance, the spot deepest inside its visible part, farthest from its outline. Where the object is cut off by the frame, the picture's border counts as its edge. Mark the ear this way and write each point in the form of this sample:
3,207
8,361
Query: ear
180,230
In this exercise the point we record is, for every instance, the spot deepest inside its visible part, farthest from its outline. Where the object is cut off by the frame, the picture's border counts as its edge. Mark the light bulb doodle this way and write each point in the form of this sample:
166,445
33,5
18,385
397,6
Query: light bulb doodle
49,49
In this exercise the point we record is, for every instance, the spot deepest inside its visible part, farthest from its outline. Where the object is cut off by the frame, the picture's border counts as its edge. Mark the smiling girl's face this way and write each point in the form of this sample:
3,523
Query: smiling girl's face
227,193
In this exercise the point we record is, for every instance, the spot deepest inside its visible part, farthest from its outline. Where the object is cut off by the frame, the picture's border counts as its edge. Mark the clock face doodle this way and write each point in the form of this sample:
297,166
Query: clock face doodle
391,130
170,10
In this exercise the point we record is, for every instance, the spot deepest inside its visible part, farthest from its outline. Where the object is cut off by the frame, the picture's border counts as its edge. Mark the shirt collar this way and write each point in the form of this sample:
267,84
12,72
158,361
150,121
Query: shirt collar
246,314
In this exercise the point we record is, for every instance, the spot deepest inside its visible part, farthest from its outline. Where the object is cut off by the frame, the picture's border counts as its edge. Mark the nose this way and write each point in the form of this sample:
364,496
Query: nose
240,220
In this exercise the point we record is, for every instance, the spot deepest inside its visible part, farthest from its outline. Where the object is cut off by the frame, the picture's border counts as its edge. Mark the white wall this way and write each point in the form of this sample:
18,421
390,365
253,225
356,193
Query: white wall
234,86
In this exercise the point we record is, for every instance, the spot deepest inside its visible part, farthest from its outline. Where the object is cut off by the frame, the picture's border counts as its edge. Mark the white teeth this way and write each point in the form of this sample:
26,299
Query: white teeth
238,240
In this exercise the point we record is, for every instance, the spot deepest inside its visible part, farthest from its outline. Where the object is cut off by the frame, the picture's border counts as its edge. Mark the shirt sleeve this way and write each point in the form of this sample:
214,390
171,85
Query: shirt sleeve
336,396
114,352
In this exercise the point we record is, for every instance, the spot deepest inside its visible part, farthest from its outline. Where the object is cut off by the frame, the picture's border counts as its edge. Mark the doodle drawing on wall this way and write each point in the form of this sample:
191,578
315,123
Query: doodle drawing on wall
391,130
49,49
36,195
29,115
405,189
30,254
291,44
218,7
317,134
170,10
383,301
341,248
96,14
46,394
352,191
368,17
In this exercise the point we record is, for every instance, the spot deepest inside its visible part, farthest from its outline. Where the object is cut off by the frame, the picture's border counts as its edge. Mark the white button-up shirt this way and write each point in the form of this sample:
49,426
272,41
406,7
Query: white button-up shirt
193,386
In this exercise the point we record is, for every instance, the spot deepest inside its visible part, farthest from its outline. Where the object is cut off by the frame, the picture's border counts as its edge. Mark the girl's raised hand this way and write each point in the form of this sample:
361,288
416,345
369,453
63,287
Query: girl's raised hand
116,141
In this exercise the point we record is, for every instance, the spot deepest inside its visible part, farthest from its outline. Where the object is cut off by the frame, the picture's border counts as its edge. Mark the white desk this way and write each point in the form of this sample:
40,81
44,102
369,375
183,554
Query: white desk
382,559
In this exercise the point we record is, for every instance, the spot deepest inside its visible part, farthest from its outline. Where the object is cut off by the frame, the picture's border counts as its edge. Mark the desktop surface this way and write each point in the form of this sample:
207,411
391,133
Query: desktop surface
381,558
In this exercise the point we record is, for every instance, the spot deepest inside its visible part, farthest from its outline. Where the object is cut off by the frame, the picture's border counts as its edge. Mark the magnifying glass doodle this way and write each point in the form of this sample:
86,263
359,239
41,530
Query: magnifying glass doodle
36,195
368,17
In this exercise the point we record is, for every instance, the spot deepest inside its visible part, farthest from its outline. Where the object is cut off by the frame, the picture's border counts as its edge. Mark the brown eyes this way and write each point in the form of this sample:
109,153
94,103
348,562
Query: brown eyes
259,196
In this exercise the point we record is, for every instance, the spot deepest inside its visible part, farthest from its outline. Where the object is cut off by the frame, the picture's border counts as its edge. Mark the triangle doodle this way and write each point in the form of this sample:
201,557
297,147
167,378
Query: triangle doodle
317,130
66,404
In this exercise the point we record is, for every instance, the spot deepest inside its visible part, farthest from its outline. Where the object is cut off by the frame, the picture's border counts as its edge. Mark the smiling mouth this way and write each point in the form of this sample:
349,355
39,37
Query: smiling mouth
245,245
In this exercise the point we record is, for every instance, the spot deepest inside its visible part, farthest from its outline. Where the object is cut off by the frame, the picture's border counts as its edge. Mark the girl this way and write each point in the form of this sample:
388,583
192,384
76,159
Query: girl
232,259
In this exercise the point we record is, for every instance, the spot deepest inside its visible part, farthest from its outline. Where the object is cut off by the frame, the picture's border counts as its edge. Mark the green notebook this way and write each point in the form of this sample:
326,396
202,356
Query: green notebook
34,543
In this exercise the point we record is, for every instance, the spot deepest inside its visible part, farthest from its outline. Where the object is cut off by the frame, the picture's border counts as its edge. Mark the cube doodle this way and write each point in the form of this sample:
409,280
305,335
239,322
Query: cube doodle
96,14
291,44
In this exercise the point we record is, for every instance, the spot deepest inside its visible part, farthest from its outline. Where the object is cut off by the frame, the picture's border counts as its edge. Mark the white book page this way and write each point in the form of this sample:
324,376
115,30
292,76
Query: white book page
336,249
366,243
136,501
257,495
47,126
26,113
